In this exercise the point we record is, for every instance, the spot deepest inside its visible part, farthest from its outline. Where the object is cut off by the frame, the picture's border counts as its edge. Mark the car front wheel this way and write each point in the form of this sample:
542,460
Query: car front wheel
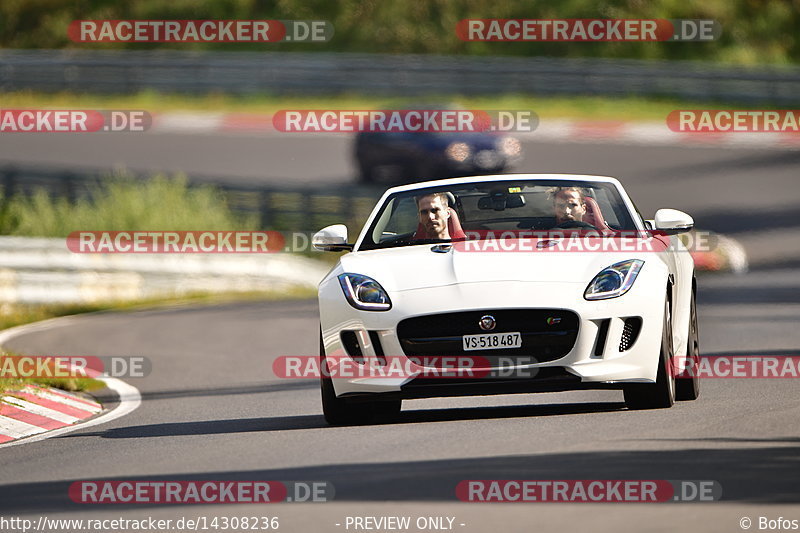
687,385
341,412
660,394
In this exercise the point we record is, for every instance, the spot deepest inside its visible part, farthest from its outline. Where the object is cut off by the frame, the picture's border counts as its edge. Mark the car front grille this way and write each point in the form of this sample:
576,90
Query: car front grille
547,334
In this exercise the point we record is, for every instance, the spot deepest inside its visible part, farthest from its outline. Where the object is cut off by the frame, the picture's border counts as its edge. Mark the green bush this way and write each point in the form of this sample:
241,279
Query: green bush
754,31
123,203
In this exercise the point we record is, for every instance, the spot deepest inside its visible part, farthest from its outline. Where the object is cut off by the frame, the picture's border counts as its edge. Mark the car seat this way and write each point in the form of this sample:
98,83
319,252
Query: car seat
593,214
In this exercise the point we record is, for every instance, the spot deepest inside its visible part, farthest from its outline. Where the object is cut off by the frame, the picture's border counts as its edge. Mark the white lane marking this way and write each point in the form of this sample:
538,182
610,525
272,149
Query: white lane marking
16,429
77,404
40,410
129,397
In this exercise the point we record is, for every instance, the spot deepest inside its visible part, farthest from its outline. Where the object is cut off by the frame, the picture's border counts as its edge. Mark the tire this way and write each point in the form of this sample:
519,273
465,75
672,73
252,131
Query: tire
340,412
661,394
687,384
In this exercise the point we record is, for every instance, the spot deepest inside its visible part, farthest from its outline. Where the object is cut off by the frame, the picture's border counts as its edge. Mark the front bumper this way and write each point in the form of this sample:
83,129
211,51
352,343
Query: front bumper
481,161
606,353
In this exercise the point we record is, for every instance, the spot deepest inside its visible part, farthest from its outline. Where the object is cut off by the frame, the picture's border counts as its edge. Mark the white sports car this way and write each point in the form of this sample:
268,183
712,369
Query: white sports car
513,283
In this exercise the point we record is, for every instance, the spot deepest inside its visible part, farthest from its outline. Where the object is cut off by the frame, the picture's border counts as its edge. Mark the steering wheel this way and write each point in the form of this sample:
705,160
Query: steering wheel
574,224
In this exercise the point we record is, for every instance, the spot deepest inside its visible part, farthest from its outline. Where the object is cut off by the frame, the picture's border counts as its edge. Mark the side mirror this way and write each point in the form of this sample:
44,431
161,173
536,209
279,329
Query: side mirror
672,221
331,239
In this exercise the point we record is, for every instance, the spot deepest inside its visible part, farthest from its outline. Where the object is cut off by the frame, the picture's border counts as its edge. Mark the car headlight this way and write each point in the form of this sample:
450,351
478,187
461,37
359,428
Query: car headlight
614,281
509,146
364,293
458,152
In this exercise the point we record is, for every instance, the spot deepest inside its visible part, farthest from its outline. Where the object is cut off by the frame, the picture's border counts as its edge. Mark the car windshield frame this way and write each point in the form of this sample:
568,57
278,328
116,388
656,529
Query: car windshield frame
624,213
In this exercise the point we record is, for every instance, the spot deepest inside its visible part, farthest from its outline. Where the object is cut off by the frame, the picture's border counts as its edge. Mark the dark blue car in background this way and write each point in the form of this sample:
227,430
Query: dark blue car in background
407,157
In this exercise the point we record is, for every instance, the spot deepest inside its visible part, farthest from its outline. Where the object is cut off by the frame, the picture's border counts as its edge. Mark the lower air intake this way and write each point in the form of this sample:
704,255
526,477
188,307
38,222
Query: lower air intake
630,332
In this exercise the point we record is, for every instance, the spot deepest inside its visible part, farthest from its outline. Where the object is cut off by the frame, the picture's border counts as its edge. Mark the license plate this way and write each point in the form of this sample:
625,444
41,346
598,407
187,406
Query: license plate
492,341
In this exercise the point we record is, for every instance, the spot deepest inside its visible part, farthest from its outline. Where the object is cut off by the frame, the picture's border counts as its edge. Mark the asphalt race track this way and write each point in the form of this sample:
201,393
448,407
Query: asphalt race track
212,409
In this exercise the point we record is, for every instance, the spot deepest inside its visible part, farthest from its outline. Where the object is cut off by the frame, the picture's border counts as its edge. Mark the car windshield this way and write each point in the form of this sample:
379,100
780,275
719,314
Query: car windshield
484,209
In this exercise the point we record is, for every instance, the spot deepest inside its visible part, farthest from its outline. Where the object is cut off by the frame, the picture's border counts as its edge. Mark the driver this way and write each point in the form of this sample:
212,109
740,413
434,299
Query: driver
434,215
568,204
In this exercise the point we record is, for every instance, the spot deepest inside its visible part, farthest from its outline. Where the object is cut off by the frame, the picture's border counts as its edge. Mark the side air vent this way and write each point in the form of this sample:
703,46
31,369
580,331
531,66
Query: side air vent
602,334
375,337
630,332
351,346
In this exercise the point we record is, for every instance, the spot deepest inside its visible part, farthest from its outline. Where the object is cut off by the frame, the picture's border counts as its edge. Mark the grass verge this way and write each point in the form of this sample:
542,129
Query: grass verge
123,203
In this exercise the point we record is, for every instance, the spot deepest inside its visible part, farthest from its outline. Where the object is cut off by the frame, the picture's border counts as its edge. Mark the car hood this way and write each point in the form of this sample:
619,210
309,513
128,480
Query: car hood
418,267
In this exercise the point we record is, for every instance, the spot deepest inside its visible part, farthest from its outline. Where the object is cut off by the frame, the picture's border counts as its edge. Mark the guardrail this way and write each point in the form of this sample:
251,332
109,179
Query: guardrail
126,71
38,270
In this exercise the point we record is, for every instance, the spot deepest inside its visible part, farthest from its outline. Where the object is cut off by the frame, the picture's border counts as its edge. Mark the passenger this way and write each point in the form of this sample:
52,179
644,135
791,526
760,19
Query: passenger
434,215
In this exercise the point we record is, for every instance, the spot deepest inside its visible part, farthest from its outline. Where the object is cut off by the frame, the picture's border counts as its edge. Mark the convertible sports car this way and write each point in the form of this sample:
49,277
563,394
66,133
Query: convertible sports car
520,282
